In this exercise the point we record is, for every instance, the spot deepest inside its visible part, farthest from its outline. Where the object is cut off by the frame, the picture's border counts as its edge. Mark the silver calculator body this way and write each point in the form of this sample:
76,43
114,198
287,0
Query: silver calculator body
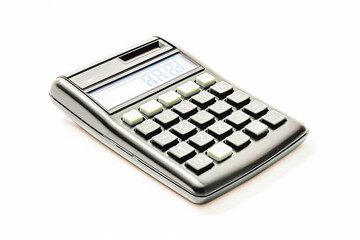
177,119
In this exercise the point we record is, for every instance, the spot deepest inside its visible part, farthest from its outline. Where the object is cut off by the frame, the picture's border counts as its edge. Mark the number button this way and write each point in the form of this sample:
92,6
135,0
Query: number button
256,109
202,119
170,98
184,129
274,119
199,164
219,152
238,99
238,119
151,108
238,140
220,130
256,129
220,109
167,118
203,99
221,89
185,109
188,89
201,141
148,128
164,140
133,117
182,152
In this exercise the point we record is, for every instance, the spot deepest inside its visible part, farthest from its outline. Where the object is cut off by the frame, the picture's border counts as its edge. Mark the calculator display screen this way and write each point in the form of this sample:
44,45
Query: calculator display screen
142,81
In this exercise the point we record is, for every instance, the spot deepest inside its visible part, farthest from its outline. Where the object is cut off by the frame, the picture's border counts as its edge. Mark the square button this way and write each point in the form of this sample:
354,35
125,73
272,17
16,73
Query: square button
188,89
202,119
202,141
170,98
220,109
164,140
219,152
220,130
238,140
273,119
256,109
151,108
238,119
167,118
182,152
185,109
199,164
184,129
203,99
238,99
221,89
256,129
148,128
205,80
133,117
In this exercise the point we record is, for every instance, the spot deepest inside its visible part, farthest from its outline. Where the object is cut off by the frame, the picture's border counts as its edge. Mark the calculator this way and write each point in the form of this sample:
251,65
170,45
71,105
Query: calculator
177,119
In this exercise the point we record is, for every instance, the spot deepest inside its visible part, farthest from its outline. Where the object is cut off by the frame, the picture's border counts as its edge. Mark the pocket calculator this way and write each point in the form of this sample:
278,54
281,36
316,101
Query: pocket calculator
177,119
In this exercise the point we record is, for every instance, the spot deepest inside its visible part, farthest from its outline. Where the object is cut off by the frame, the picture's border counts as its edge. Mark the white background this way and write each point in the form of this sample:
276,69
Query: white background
57,182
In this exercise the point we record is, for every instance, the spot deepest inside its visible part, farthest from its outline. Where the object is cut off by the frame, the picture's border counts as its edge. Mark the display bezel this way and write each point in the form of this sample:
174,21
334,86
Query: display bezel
146,94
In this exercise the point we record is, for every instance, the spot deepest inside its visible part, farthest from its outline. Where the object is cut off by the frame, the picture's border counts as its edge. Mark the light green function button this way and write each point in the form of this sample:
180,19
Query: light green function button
188,89
205,80
219,152
133,117
170,98
238,140
151,108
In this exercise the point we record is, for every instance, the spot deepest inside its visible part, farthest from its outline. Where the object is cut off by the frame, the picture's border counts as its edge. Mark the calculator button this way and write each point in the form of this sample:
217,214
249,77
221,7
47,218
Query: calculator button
164,140
256,108
256,129
221,89
238,119
273,119
220,109
133,117
199,164
203,99
148,128
219,152
167,118
201,141
238,99
220,129
188,89
185,109
151,108
205,80
184,129
182,152
202,119
170,98
238,140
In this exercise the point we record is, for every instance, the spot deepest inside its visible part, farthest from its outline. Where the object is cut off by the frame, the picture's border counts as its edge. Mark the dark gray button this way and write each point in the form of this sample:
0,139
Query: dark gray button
238,140
203,99
185,109
148,128
182,152
202,119
199,164
164,140
238,99
256,129
184,129
238,119
220,109
256,108
167,118
274,119
220,129
201,141
221,89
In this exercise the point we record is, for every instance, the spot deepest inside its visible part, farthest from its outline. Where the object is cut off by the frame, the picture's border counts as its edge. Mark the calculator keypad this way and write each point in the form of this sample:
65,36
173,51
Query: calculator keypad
208,127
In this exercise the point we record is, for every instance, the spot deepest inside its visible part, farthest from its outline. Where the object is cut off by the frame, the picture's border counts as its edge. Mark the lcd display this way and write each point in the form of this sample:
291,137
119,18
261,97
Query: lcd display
142,81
